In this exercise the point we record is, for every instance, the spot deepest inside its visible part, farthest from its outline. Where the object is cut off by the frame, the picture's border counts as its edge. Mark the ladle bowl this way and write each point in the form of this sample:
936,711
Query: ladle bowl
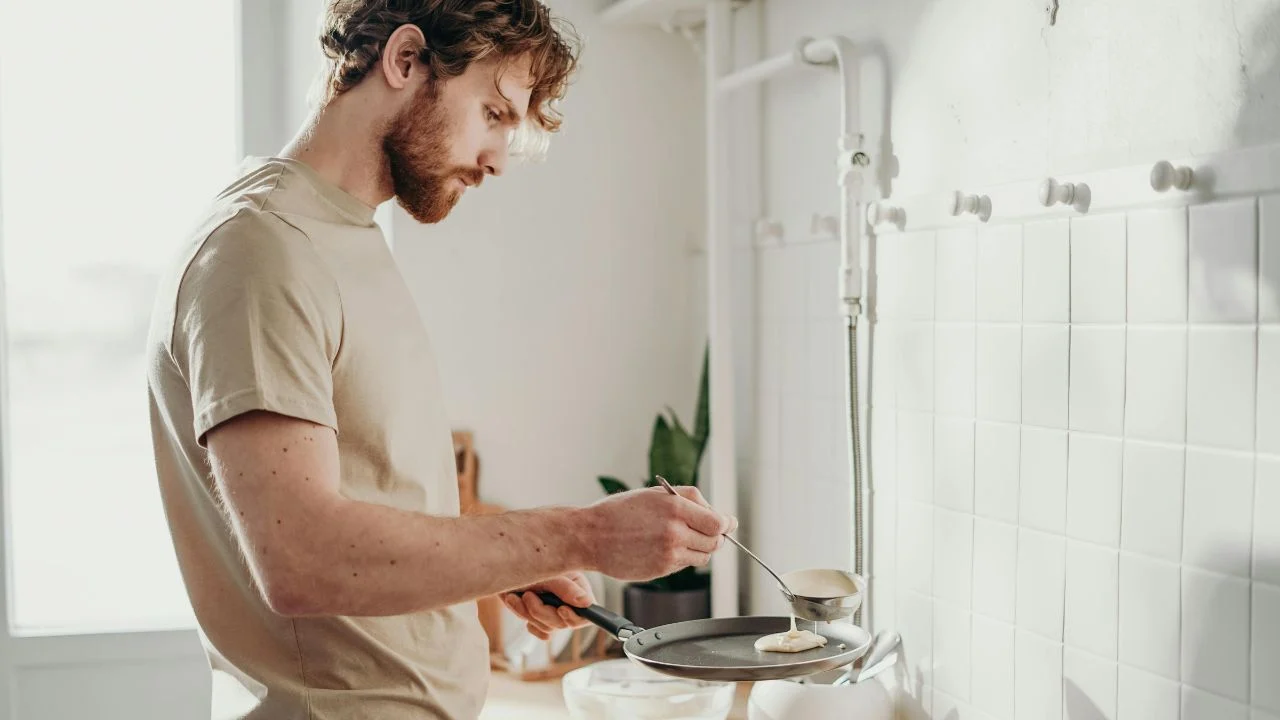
824,595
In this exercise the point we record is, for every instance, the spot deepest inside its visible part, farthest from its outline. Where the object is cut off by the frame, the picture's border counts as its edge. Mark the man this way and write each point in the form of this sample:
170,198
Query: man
303,455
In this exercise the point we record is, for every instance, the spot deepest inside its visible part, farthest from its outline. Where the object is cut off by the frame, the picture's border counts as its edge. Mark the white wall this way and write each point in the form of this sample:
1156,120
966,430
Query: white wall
1096,582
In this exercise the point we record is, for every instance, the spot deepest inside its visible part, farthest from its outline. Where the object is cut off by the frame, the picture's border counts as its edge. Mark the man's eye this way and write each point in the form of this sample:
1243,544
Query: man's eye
490,115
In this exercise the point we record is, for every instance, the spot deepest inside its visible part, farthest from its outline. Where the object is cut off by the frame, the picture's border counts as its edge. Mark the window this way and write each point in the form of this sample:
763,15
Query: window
117,126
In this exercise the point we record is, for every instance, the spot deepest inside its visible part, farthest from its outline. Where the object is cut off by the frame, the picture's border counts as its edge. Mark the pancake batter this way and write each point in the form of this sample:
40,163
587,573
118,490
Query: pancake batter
792,641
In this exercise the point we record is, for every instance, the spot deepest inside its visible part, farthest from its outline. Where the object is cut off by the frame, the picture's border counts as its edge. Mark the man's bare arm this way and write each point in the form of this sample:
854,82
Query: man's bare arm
313,551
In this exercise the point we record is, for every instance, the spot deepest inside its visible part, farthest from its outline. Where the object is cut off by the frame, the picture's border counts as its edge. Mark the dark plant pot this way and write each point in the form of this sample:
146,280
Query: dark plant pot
650,607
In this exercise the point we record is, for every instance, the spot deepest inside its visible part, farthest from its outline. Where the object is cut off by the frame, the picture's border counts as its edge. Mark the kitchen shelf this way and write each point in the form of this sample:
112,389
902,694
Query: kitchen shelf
654,13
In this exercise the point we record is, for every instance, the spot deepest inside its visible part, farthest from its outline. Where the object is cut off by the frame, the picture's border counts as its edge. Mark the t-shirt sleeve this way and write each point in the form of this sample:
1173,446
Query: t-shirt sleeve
258,325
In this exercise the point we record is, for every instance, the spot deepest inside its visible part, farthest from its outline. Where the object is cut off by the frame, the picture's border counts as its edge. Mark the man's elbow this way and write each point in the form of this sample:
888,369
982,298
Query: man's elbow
289,595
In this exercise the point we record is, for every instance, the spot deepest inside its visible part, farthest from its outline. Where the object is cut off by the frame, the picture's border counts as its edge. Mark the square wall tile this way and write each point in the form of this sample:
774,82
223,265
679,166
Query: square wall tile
1046,272
915,540
1042,496
953,557
1089,686
1000,273
884,449
1045,358
1097,380
953,463
1200,705
1269,389
1266,531
1152,493
957,274
1215,633
884,357
1093,592
1098,269
993,656
952,649
995,569
1158,266
1269,259
915,455
884,528
1218,522
1265,646
1144,696
1038,679
954,369
915,613
1220,386
996,467
1041,581
1150,615
999,373
888,254
915,367
1223,277
1094,466
1156,384
916,275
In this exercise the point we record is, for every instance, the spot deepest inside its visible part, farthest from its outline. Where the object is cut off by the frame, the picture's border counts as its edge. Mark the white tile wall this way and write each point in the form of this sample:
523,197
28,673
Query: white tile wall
1087,460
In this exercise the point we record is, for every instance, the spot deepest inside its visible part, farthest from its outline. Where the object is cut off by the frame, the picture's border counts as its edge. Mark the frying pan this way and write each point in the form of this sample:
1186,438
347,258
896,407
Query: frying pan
723,649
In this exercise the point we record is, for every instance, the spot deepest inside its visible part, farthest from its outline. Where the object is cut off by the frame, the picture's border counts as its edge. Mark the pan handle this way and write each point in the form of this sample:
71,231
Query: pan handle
605,619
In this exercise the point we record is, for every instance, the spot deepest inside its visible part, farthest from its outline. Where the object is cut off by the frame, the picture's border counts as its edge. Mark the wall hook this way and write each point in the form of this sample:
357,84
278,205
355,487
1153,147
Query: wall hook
768,232
1164,176
959,203
824,226
878,213
1053,192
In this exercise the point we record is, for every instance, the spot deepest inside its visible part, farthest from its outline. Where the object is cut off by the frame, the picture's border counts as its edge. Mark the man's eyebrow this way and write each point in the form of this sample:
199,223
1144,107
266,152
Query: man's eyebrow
508,112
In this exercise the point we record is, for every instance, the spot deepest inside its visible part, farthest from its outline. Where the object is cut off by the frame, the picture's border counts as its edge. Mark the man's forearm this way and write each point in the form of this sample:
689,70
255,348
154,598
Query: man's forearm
360,559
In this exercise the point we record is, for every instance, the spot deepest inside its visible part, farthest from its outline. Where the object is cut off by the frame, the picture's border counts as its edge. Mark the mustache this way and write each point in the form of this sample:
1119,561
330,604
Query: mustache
471,176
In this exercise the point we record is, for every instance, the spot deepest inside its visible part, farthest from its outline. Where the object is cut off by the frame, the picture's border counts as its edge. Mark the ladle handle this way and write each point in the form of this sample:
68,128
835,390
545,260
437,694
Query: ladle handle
769,570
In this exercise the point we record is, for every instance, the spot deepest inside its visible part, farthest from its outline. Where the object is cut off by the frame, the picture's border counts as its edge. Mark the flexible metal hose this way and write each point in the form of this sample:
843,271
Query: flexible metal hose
855,452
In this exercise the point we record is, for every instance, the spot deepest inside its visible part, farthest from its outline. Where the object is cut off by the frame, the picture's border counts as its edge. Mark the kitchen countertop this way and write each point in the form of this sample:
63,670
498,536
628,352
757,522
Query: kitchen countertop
542,700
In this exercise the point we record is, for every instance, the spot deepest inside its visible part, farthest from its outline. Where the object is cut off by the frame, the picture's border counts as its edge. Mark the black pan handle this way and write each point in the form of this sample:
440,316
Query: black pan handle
607,620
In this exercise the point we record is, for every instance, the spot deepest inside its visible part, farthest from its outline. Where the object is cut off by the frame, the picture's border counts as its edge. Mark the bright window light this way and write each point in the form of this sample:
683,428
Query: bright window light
117,127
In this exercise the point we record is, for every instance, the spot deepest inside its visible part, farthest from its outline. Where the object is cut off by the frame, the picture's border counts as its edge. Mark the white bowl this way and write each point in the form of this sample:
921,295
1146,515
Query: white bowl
625,690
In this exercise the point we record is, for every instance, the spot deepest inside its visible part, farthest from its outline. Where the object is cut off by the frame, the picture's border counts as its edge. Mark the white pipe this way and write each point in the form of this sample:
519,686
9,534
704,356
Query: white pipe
722,443
840,52
760,72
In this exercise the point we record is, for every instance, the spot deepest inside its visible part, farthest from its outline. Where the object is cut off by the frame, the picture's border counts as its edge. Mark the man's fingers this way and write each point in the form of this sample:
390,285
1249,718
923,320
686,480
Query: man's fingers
515,605
570,591
540,611
702,519
690,492
704,543
693,558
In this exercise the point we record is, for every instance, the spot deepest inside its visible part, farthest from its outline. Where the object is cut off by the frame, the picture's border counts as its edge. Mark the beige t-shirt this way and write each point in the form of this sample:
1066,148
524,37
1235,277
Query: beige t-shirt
287,299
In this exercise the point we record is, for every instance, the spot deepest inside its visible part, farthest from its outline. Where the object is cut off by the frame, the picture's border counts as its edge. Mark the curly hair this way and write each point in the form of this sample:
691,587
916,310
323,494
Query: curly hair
458,32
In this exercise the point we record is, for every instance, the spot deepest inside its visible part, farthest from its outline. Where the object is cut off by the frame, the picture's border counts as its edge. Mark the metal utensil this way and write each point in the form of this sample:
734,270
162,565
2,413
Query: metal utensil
723,649
826,608
883,654
786,591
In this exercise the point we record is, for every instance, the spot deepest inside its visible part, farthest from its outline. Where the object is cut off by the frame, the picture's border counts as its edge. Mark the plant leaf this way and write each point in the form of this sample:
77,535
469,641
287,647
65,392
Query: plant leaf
672,454
612,485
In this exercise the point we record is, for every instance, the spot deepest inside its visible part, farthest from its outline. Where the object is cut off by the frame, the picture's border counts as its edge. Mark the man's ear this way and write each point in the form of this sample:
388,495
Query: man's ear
399,60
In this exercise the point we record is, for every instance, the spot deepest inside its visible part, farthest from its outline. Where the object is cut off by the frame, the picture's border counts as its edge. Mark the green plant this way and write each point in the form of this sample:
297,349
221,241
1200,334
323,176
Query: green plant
675,454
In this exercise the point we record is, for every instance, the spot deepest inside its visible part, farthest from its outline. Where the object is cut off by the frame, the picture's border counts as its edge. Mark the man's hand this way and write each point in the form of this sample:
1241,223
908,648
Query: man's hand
649,533
542,619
